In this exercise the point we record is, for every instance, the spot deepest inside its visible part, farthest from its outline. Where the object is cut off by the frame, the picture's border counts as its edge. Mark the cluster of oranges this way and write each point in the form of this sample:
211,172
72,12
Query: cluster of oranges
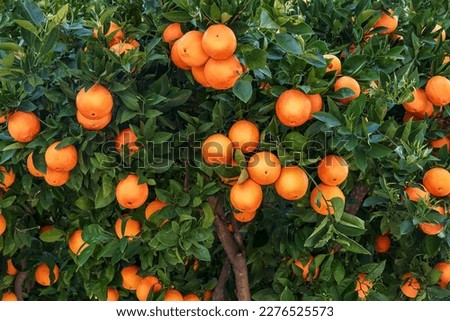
209,55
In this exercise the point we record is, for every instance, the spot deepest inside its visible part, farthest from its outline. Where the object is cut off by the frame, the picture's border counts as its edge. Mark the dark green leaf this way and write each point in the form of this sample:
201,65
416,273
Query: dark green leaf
243,88
289,43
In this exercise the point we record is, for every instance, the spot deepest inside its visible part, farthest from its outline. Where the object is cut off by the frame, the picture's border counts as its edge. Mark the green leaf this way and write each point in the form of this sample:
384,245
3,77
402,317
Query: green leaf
201,252
214,12
315,60
177,16
351,245
49,41
288,43
27,26
34,12
338,271
327,118
287,295
377,151
319,231
295,141
160,137
52,235
7,202
373,270
360,159
266,21
256,59
208,215
10,46
354,64
61,14
105,195
243,88
167,238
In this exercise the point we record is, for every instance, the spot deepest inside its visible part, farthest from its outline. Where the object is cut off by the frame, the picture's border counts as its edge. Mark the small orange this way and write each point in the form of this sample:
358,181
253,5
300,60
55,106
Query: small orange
247,196
173,295
191,297
327,194
134,43
316,104
190,49
244,217
334,64
411,286
149,284
55,178
76,242
382,244
95,103
93,124
264,168
114,29
419,102
172,32
407,116
217,149
10,268
23,126
154,207
175,57
437,90
7,178
207,295
3,118
61,159
130,194
292,183
2,224
437,181
441,142
9,296
387,21
121,48
199,75
305,269
433,228
223,74
244,135
332,170
350,83
363,286
126,137
132,228
42,274
444,279
112,294
45,228
33,170
415,194
130,278
293,108
219,42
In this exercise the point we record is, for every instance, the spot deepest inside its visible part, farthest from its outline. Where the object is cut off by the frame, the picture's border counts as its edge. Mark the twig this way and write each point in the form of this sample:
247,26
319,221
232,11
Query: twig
219,294
19,280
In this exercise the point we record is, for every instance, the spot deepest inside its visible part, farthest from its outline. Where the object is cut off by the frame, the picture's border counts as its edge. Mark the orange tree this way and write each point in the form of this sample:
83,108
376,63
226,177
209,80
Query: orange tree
126,174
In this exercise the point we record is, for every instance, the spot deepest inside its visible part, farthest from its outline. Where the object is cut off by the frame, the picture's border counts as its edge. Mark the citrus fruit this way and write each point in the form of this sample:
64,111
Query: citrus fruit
382,244
223,74
2,224
93,124
121,48
363,286
43,274
219,42
334,64
154,207
10,268
7,178
190,49
76,242
217,149
244,217
126,137
173,295
149,284
95,103
130,278
244,135
350,83
61,159
316,104
33,170
410,286
9,296
112,294
292,183
388,22
23,126
247,196
130,194
433,228
437,90
199,75
419,102
191,297
444,279
56,178
441,142
332,170
175,57
305,268
437,181
293,108
321,197
132,227
172,32
264,168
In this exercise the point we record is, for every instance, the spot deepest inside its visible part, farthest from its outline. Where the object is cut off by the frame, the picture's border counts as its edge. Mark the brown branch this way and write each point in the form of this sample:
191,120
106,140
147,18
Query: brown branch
356,198
219,294
19,280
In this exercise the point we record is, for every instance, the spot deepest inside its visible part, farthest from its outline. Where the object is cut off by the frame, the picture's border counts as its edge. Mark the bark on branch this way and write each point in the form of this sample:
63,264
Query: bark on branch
18,282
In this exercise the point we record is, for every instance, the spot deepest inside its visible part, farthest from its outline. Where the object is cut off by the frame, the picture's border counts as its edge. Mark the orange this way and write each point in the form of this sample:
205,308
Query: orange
207,295
175,57
292,183
149,284
441,142
199,75
407,116
45,228
3,118
334,64
264,168
61,159
293,108
244,135
191,297
42,274
95,103
223,74
411,286
10,268
429,111
112,294
327,194
126,137
2,224
55,178
316,104
332,170
437,181
247,196
76,242
154,207
23,126
388,22
33,170
172,32
219,42
446,60
382,243
9,296
419,102
93,124
190,49
363,286
113,28
437,90
350,83
132,228
217,149
130,194
415,194
433,228
444,279
244,217
7,178
305,269
130,278
173,295
121,48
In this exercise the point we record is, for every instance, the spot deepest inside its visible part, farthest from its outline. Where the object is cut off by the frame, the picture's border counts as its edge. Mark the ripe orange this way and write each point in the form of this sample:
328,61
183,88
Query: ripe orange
7,178
219,42
45,228
305,269
95,103
382,244
130,278
444,279
113,29
42,274
244,217
363,286
419,102
132,228
199,75
121,48
112,294
149,284
293,108
327,194
415,194
332,170
2,224
173,295
61,159
433,228
429,111
334,64
23,126
292,183
3,118
437,90
247,196
207,295
175,57
55,178
10,268
264,168
130,194
217,149
190,49
154,207
437,181
134,43
411,286
441,142
33,170
126,137
316,104
191,297
93,124
244,135
388,22
172,32
9,296
76,242
347,82
407,116
223,74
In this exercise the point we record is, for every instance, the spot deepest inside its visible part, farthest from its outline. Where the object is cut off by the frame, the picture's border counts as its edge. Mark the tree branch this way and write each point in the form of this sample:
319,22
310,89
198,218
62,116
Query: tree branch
356,198
19,280
219,294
